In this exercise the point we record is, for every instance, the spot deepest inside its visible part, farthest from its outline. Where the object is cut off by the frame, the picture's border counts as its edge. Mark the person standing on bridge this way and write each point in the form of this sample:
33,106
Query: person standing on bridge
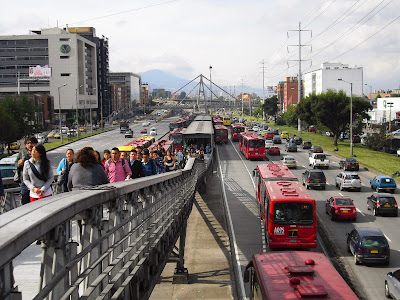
23,156
38,174
64,168
106,156
117,168
86,171
148,164
169,161
136,165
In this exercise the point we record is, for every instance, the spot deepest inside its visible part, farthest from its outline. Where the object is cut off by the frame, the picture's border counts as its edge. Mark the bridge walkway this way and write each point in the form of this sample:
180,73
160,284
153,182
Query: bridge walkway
207,253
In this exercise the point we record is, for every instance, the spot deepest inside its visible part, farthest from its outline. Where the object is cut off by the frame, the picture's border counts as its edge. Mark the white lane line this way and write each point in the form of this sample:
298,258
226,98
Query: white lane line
387,238
360,212
341,194
251,177
239,269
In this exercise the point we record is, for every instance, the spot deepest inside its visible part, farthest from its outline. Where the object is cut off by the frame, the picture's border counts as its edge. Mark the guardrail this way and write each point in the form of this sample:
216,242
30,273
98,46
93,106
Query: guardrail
105,242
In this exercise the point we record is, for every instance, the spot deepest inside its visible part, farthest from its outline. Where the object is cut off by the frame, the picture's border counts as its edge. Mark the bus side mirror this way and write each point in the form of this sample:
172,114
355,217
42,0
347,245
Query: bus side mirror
254,172
246,277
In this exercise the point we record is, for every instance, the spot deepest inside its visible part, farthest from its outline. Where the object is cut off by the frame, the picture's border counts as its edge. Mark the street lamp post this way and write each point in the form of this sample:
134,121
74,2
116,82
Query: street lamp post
59,110
77,111
351,115
210,88
390,105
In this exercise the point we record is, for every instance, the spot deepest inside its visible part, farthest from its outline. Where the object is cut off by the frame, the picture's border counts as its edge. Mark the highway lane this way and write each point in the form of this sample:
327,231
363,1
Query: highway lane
370,279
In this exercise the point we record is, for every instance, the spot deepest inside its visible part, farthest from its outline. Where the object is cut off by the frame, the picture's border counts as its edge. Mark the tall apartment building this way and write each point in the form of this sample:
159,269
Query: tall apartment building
326,77
132,82
145,94
119,97
72,60
102,58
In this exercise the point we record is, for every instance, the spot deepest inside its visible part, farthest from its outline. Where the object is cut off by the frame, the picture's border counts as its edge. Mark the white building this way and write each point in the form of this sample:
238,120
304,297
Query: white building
325,78
72,59
385,110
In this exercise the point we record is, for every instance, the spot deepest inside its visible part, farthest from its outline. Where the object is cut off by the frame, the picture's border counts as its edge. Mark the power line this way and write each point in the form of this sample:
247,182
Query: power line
126,11
320,13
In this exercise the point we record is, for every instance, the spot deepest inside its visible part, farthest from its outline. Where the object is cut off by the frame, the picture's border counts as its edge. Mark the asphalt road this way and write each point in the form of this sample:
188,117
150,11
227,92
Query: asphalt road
368,279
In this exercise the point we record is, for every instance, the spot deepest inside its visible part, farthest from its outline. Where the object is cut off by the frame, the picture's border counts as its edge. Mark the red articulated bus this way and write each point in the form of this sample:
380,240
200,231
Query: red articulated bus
177,137
220,134
217,121
287,209
236,130
181,123
165,144
279,275
252,146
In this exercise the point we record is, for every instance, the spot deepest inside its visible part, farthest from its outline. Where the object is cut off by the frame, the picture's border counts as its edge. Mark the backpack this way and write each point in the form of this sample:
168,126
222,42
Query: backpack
123,164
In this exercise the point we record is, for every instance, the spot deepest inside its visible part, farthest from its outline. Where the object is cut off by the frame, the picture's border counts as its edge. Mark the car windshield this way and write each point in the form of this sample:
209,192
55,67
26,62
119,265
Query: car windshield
374,241
293,213
387,200
256,143
344,201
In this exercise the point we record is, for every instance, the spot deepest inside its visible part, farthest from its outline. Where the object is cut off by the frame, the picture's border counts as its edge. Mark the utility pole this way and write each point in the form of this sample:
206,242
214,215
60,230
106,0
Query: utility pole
299,82
242,97
263,89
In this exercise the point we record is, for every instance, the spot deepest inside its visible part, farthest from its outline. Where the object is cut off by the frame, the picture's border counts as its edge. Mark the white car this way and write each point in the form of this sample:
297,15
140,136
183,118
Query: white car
396,132
153,131
318,160
289,162
268,144
144,124
256,129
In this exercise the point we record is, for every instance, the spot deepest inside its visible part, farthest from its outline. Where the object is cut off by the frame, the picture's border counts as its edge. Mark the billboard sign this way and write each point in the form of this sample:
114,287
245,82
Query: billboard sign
40,72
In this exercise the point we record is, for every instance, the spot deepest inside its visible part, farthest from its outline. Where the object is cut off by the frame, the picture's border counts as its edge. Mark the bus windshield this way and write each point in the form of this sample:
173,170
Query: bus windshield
221,132
293,213
238,129
178,139
256,143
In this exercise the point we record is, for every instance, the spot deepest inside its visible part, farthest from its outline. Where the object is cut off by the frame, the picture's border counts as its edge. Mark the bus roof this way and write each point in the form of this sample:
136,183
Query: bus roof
220,127
269,172
287,190
203,118
251,135
277,272
178,131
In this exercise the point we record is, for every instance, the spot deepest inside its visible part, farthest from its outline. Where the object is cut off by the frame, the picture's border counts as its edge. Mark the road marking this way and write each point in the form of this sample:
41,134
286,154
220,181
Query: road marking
248,171
387,238
341,194
360,212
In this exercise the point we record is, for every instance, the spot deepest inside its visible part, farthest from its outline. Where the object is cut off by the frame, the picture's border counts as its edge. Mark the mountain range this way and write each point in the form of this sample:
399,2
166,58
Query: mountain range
158,79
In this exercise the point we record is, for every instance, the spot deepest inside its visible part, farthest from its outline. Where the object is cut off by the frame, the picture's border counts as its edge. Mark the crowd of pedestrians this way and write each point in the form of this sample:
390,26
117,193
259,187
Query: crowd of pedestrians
89,168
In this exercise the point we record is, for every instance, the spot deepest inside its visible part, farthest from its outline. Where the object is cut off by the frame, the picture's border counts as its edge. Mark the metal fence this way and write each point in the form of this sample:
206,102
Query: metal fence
106,242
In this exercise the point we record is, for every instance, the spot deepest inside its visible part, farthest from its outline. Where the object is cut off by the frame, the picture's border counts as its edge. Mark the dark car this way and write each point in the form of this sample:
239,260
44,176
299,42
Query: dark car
306,145
316,149
392,285
382,204
291,147
368,245
277,139
339,207
349,163
314,178
356,139
298,140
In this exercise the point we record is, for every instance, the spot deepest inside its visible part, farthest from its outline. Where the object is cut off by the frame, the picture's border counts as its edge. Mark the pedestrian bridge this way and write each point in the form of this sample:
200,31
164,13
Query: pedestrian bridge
105,242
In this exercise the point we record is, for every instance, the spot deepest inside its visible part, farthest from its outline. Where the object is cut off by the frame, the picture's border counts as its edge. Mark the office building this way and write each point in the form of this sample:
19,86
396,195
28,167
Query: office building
132,82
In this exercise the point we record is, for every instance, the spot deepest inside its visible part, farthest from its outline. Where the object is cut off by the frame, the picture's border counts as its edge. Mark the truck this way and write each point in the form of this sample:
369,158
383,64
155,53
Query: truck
123,126
318,160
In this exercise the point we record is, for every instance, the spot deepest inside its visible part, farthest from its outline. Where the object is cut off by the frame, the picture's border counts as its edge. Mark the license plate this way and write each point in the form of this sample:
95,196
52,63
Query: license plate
292,241
387,205
374,251
352,188
345,211
317,181
322,165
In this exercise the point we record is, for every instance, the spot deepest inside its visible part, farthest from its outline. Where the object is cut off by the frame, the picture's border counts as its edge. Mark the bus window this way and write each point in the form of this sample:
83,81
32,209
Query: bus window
293,213
256,143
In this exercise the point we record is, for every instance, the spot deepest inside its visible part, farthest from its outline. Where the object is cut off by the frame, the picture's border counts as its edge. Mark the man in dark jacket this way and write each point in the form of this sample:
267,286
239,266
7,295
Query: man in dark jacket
135,165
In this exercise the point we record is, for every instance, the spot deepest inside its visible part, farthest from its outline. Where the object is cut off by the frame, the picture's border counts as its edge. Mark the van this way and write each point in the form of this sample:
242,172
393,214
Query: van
153,131
8,165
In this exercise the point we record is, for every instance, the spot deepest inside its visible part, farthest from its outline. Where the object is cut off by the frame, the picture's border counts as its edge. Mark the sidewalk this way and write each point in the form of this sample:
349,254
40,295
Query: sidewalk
206,254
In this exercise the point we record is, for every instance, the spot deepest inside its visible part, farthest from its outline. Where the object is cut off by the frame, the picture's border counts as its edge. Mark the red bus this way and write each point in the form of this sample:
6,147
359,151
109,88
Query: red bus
236,130
165,144
220,134
177,137
252,145
181,123
287,209
217,121
279,275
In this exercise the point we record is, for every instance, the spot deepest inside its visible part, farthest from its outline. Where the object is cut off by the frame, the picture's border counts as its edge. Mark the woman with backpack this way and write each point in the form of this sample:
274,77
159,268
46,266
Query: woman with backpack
63,170
37,174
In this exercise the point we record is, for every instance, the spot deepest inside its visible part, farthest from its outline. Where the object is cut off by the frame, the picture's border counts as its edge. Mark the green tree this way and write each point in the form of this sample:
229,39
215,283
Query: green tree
332,110
290,116
22,113
182,95
270,106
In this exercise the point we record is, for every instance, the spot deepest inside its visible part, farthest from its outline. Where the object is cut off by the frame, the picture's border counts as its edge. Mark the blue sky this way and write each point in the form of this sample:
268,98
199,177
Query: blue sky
185,37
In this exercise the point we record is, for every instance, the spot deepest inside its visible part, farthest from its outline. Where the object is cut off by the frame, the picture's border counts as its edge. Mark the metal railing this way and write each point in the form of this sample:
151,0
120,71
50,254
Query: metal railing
105,242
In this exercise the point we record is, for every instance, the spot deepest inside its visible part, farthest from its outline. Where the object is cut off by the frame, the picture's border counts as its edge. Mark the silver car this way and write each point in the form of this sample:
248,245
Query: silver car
348,180
392,285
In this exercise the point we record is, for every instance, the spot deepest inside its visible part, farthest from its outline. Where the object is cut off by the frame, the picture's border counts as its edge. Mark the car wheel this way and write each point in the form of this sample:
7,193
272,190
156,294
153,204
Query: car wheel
387,292
307,187
395,214
336,184
377,189
368,208
313,166
375,212
359,190
323,187
356,260
348,248
333,218
372,187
